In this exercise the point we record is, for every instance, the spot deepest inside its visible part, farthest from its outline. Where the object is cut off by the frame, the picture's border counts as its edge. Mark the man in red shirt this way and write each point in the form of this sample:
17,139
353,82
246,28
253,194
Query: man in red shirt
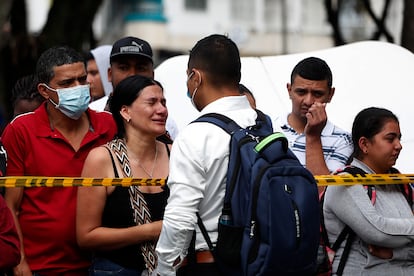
54,140
9,240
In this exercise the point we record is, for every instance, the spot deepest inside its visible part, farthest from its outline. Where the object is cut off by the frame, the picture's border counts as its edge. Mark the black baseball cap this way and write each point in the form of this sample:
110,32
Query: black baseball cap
131,46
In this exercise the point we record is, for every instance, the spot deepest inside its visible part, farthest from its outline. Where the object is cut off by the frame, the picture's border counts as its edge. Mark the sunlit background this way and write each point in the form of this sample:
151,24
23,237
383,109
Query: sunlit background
272,36
260,27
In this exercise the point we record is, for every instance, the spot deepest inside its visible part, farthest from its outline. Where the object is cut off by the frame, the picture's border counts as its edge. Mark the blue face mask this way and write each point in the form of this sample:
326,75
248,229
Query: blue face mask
73,101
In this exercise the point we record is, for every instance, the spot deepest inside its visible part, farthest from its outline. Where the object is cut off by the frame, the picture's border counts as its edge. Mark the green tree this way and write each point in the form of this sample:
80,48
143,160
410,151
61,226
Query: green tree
407,36
68,23
333,9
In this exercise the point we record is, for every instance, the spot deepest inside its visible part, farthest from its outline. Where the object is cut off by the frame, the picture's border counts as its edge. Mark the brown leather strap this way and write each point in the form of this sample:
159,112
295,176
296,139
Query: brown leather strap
202,257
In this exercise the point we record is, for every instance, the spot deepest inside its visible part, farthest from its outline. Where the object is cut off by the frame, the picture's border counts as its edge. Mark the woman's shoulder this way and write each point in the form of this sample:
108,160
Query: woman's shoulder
100,153
338,190
98,163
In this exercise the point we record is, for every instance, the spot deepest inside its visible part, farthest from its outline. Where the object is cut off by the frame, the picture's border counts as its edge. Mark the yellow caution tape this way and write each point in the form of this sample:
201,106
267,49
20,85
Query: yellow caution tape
369,179
321,180
39,181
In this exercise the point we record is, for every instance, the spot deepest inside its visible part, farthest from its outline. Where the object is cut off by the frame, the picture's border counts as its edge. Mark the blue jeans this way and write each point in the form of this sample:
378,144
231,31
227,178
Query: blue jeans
104,267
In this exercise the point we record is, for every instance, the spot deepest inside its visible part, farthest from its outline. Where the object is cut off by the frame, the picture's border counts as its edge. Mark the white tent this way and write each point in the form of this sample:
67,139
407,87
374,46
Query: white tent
365,74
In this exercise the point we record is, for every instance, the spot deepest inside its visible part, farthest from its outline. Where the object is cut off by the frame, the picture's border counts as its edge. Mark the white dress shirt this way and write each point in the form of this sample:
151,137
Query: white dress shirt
197,181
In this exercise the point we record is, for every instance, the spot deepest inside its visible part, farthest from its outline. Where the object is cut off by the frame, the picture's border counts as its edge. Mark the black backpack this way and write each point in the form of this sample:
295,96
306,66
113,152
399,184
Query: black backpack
270,217
347,234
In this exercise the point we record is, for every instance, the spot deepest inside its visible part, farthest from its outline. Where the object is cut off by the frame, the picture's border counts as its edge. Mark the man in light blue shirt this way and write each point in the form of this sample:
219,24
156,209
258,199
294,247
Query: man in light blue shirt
319,145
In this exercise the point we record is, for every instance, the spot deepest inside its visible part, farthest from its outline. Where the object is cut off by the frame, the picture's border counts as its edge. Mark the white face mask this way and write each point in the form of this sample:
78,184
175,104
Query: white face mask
192,98
194,93
73,101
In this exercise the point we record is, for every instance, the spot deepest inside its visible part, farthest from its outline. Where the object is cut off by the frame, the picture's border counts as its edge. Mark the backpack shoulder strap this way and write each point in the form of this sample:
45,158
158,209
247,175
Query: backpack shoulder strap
324,234
346,235
230,127
353,170
405,189
204,232
228,124
221,121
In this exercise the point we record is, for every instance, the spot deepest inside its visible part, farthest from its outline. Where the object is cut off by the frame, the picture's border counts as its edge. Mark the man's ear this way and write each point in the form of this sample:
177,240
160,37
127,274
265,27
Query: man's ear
331,93
109,74
41,88
289,89
197,77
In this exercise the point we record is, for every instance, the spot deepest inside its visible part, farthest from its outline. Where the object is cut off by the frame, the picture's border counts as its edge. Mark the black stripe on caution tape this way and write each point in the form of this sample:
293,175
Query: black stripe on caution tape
321,180
369,179
38,181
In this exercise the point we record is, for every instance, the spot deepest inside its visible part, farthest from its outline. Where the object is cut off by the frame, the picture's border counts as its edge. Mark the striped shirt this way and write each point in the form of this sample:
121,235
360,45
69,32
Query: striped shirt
336,144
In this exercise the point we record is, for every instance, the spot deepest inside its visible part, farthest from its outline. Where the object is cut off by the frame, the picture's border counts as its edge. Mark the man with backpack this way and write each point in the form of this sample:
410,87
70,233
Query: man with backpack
255,205
199,157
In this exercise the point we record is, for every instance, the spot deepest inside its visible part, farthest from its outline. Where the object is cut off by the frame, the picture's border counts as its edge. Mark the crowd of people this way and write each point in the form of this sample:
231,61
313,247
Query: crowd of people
104,115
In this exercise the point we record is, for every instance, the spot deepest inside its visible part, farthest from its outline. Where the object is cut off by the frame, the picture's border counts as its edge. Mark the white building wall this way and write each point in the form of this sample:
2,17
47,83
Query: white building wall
259,27
194,22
